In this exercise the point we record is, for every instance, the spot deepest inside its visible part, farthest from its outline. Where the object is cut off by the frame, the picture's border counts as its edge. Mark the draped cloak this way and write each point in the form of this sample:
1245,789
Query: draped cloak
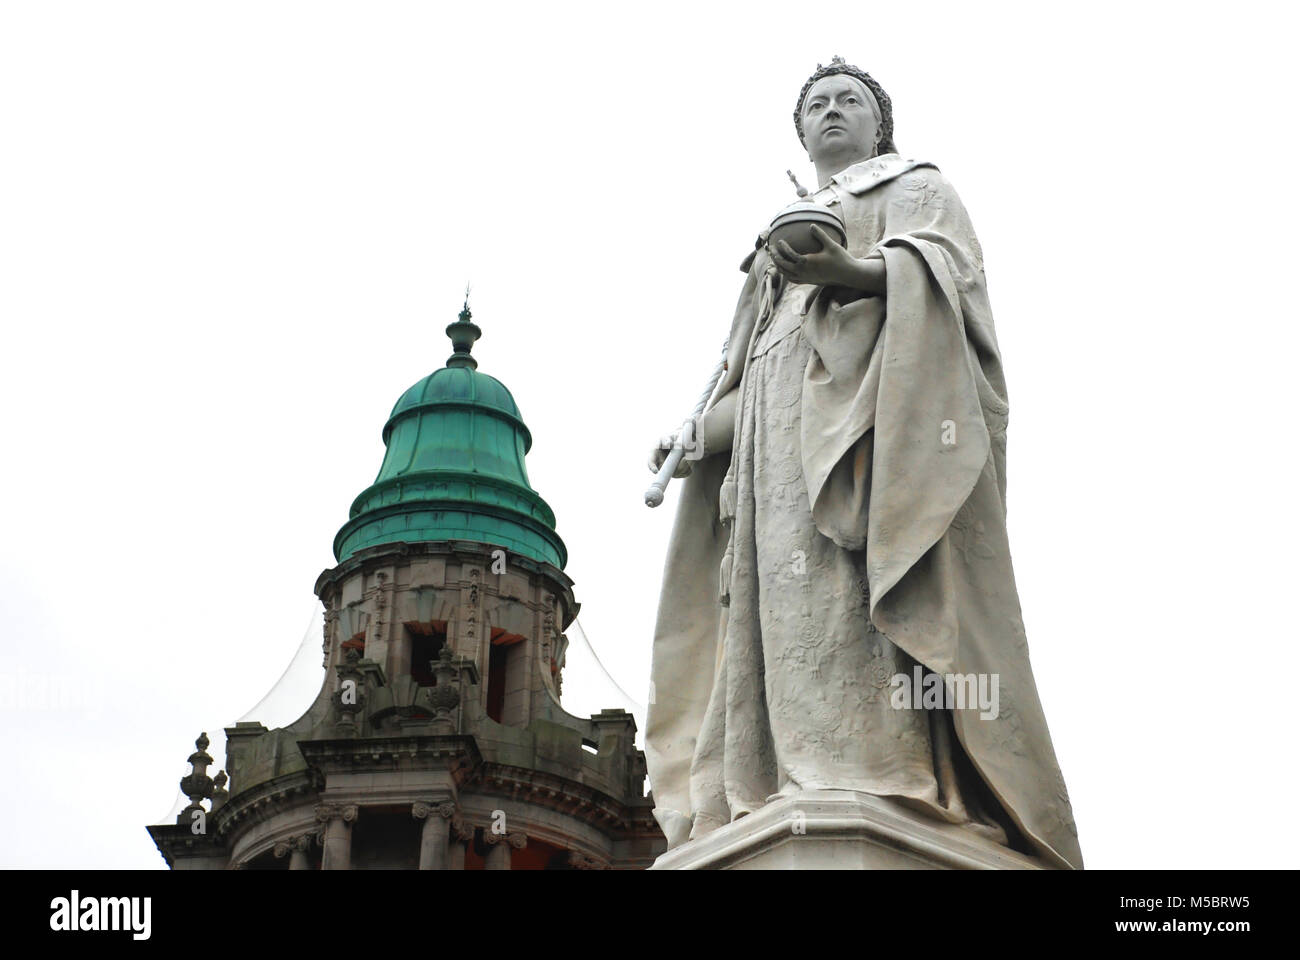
903,451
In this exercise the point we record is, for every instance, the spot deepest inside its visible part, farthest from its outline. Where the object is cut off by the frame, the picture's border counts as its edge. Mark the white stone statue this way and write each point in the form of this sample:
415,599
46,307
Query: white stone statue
841,537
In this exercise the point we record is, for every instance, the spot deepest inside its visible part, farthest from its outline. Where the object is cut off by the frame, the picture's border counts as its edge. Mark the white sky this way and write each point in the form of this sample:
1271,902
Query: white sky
231,235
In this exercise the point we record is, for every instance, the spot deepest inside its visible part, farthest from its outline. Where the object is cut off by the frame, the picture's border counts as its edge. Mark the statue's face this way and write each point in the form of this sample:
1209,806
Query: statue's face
839,119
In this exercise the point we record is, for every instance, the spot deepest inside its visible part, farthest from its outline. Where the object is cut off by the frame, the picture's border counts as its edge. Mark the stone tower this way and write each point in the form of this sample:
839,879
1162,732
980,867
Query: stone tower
437,741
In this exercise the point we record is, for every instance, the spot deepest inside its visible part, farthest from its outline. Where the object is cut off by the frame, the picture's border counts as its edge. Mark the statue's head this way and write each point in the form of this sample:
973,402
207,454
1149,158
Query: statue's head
842,110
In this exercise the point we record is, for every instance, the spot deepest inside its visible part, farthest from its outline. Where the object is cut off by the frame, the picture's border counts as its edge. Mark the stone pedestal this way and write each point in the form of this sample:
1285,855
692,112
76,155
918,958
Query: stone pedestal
842,830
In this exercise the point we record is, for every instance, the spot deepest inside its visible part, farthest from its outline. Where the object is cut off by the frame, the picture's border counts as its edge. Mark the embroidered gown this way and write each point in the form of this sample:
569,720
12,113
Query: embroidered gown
802,698
855,544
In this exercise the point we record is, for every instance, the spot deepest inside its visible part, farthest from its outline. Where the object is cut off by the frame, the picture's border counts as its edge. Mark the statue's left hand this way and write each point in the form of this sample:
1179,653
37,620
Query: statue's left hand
832,266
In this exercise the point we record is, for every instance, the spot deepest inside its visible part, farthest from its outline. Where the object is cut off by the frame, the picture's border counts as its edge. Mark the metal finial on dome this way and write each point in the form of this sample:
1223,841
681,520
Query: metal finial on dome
463,333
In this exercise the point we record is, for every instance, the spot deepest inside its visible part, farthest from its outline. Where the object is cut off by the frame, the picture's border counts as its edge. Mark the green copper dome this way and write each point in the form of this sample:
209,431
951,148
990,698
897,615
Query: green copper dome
454,467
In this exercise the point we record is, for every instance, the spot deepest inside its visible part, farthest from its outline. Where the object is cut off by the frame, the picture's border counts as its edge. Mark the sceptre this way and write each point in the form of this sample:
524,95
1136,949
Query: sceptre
793,226
655,495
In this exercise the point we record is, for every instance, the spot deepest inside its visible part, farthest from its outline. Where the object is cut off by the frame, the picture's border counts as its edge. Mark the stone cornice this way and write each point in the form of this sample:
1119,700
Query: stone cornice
375,558
261,801
536,788
459,753
456,752
178,840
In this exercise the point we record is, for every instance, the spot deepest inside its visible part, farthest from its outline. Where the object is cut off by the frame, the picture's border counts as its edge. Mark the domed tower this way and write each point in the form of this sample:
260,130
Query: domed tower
438,740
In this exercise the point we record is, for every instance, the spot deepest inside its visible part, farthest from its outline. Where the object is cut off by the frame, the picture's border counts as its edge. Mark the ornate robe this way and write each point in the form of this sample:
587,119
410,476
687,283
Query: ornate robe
856,531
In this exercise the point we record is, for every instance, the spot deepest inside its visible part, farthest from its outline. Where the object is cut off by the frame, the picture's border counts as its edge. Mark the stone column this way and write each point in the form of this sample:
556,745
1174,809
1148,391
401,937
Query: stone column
434,840
338,819
298,856
296,849
461,834
499,847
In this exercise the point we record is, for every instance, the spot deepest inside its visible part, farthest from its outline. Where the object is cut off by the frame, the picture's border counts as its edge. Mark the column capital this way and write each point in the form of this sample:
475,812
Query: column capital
463,831
301,843
347,812
578,861
517,840
422,809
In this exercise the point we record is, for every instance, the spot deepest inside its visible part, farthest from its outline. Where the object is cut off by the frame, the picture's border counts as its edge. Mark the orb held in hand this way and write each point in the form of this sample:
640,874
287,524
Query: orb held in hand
794,225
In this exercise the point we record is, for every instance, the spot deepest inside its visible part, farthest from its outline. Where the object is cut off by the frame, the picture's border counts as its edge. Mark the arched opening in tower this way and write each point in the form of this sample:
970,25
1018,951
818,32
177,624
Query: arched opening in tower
426,642
506,681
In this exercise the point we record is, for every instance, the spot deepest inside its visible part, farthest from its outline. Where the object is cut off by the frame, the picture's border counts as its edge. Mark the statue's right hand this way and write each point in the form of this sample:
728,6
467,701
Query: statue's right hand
660,452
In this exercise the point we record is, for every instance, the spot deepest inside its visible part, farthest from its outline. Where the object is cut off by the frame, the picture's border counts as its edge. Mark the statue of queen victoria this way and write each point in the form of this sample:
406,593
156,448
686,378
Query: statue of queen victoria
841,532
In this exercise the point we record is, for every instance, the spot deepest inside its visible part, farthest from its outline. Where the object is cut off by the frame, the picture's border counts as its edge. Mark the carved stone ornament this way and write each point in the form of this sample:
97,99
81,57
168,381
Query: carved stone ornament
347,812
516,839
445,695
464,831
579,861
197,785
421,810
301,843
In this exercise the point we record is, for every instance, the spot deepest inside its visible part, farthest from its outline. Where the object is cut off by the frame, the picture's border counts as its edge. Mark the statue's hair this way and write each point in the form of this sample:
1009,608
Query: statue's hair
837,65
